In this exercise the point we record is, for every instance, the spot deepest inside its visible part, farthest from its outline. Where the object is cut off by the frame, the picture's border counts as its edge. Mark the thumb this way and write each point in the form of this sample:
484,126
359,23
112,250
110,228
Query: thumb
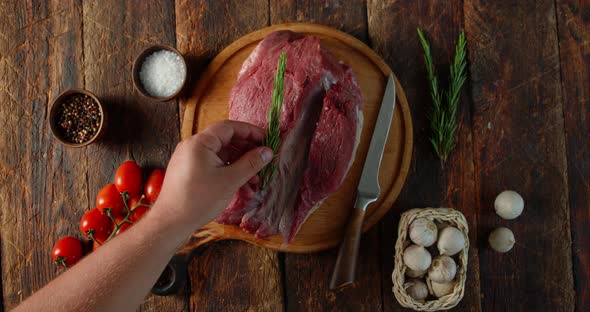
243,169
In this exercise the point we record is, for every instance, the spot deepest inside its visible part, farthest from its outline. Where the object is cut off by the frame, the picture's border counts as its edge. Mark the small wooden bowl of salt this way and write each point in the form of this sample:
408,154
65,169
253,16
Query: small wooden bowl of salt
160,73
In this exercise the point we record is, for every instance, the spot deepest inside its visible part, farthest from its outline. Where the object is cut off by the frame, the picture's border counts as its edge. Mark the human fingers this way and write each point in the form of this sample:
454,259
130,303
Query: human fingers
242,170
231,153
223,133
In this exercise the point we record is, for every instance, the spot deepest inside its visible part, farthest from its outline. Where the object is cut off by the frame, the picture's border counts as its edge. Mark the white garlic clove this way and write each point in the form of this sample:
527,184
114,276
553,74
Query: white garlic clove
417,258
416,289
423,232
450,241
502,239
509,205
442,270
415,274
440,289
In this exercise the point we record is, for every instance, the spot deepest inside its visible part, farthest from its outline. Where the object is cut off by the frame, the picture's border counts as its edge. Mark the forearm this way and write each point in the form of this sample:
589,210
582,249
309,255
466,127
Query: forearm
117,276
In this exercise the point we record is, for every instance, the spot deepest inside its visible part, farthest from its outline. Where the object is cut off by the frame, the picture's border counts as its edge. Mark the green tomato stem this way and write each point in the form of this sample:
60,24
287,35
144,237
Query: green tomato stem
126,219
91,235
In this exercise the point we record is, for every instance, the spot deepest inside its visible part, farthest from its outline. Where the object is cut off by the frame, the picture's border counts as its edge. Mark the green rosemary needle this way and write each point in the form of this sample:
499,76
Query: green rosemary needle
273,134
443,115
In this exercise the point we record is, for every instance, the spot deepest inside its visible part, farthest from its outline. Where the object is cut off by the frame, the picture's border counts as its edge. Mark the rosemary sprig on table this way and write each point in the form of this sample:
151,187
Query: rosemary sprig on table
273,134
443,116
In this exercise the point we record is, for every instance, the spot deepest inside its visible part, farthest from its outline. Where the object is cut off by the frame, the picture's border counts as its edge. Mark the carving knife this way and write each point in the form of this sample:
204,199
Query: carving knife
368,191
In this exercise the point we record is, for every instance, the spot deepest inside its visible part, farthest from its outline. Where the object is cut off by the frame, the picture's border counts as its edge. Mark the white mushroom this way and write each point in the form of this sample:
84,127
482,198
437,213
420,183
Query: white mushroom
509,205
502,239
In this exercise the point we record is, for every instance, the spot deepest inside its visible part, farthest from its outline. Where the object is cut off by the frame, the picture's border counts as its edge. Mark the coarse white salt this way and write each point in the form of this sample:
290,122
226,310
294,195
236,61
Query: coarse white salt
162,73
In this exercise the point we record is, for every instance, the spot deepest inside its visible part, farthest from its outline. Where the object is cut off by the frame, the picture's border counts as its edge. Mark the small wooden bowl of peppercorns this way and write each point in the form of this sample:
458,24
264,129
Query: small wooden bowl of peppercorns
77,118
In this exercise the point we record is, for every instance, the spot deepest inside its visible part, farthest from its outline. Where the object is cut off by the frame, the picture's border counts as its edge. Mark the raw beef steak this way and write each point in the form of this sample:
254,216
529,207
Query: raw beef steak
320,124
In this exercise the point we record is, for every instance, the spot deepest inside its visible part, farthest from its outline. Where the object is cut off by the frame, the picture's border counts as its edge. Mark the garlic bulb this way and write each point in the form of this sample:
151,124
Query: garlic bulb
440,289
442,270
415,274
450,241
416,289
417,258
509,205
423,232
502,239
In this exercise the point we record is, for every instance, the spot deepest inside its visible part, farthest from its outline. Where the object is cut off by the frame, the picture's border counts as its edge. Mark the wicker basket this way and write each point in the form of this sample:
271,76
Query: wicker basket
440,216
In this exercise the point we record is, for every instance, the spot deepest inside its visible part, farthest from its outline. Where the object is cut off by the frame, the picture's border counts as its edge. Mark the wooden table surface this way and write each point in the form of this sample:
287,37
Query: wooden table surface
524,125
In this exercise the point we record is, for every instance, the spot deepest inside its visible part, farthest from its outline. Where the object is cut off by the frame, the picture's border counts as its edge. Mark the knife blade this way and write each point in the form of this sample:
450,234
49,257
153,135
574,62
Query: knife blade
368,191
369,184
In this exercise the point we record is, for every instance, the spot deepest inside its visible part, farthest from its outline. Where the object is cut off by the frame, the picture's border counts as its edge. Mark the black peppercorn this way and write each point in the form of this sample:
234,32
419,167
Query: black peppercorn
78,118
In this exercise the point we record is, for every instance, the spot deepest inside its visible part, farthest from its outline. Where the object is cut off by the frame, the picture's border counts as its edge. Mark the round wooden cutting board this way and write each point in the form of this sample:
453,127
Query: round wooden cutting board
208,103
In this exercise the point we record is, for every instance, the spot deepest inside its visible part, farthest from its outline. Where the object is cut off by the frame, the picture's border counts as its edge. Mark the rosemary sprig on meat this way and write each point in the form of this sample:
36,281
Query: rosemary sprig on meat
273,134
443,115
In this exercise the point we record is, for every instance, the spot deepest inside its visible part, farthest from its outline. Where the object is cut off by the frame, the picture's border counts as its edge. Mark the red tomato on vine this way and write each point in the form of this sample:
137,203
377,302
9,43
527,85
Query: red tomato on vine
128,178
138,213
124,227
67,251
100,225
109,197
153,185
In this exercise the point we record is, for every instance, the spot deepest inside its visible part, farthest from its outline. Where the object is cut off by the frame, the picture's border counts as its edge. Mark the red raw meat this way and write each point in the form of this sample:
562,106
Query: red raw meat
321,119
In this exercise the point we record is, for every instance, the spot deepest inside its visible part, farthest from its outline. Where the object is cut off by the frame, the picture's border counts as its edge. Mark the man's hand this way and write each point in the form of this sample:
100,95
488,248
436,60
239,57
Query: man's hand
207,169
202,176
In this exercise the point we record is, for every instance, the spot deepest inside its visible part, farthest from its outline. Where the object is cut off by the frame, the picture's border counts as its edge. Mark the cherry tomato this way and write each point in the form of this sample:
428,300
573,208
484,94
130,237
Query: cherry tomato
109,197
128,178
135,200
123,227
138,213
67,251
153,185
99,224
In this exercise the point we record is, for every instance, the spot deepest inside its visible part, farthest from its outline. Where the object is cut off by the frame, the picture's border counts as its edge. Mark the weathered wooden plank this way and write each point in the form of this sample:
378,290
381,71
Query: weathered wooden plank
115,32
307,277
232,276
235,276
42,184
392,31
573,20
519,144
205,27
347,16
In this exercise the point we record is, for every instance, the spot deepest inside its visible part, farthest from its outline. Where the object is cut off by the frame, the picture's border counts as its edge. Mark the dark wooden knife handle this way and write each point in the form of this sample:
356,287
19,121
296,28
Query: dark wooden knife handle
345,267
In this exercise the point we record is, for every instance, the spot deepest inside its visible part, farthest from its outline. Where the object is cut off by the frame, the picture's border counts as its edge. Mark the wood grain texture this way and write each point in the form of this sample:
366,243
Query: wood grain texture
347,16
515,102
307,277
205,27
392,30
346,262
323,229
40,56
573,20
138,128
519,144
235,276
227,275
